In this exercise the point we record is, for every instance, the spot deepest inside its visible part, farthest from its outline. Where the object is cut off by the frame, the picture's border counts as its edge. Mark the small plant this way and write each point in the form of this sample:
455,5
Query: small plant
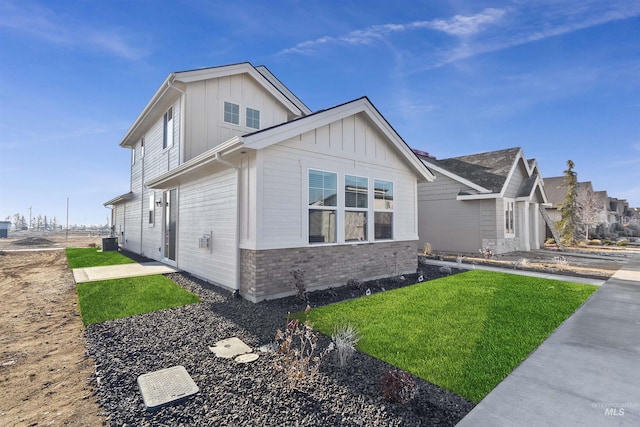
560,261
298,283
487,253
445,269
397,386
608,242
520,263
459,259
595,242
296,352
92,245
345,338
427,249
622,243
355,284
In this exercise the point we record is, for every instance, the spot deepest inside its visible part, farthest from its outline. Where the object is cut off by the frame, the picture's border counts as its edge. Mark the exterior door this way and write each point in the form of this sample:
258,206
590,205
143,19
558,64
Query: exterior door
170,223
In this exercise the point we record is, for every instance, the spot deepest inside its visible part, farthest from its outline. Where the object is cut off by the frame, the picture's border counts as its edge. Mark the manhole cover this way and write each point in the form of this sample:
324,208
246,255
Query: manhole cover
247,358
162,387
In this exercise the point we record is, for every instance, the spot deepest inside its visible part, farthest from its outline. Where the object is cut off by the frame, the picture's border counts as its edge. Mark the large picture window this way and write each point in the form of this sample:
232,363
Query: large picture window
383,209
323,202
356,201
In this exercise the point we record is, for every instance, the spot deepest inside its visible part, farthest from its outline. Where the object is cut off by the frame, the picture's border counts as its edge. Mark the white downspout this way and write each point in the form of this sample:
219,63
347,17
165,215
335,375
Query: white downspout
219,158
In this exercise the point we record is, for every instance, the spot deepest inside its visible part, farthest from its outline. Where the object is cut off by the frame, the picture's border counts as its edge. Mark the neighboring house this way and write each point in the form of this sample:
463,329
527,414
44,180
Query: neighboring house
236,181
488,200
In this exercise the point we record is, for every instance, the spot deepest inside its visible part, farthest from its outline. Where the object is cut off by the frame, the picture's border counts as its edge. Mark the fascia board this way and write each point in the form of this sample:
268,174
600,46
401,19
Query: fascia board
455,177
286,131
478,196
194,164
519,157
125,142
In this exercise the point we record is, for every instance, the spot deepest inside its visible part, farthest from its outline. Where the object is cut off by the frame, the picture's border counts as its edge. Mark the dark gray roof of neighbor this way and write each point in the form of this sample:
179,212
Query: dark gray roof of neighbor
488,170
554,187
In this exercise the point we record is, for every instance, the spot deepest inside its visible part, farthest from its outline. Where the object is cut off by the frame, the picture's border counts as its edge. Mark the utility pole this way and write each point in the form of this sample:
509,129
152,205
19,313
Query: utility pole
67,218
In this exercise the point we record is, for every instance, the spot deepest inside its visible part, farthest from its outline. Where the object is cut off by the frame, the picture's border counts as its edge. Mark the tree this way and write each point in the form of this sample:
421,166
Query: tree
588,209
569,224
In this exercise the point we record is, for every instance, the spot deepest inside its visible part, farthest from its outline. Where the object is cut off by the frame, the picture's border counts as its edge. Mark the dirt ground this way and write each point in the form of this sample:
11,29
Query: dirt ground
44,374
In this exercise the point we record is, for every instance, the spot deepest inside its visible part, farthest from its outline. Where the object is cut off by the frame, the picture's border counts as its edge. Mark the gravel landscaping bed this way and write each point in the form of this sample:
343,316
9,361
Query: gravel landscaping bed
255,393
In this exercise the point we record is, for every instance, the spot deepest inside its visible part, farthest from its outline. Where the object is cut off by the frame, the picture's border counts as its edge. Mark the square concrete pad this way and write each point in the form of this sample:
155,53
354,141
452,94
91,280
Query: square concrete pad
231,347
162,387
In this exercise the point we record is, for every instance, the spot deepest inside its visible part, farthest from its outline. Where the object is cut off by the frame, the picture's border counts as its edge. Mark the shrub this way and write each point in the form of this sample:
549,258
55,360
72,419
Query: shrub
92,245
355,284
298,283
622,243
345,338
634,229
608,242
560,261
296,352
550,241
487,253
427,249
595,242
445,269
521,263
397,386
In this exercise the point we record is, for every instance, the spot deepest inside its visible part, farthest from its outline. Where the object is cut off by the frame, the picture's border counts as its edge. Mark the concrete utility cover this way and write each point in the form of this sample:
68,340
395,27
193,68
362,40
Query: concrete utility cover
246,358
162,387
231,347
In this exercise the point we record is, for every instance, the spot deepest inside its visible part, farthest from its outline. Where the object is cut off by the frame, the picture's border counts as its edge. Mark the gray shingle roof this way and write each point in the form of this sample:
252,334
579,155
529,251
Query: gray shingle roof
554,187
488,170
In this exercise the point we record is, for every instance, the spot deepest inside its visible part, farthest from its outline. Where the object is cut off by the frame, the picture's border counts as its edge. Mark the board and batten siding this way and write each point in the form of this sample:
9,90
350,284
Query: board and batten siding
206,127
515,182
209,206
348,146
446,223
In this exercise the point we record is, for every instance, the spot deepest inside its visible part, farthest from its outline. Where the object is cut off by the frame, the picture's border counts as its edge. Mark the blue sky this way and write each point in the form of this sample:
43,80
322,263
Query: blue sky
561,79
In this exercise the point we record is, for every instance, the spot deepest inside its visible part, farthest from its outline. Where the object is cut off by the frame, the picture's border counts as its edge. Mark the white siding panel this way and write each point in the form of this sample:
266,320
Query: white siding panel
209,206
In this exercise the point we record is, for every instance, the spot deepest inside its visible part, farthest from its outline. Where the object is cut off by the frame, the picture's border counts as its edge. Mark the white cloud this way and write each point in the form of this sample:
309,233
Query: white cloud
458,26
45,24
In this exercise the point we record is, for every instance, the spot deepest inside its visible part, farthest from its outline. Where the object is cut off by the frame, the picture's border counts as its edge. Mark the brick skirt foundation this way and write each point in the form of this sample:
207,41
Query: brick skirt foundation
266,274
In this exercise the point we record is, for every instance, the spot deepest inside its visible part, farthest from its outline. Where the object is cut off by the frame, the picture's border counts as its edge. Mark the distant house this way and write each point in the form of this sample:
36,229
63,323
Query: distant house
488,200
236,181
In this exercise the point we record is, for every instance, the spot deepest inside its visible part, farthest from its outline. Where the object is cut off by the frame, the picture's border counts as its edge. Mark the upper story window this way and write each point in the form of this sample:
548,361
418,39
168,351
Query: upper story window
253,118
383,209
142,148
231,113
509,223
133,155
356,200
167,131
323,202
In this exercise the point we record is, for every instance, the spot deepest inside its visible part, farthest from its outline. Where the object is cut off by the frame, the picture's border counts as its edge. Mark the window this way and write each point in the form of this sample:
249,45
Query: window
142,148
152,203
253,118
383,209
133,156
167,131
231,113
508,217
356,199
323,201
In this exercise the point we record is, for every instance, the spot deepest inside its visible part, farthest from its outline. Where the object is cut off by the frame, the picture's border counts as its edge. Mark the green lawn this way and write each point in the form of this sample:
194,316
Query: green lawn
464,332
113,299
90,257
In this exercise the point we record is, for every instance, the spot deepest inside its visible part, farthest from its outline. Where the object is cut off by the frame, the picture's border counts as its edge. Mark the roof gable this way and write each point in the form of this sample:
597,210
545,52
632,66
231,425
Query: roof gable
276,134
175,84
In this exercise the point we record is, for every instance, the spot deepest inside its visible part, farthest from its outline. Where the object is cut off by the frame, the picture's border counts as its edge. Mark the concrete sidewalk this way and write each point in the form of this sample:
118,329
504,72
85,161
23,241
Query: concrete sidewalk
109,272
466,266
586,373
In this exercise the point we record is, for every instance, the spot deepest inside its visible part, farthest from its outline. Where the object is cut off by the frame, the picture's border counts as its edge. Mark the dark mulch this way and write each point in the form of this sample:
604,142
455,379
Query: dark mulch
253,394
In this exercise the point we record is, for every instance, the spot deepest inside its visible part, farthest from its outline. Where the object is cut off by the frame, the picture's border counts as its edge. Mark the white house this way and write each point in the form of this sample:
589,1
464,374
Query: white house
236,181
487,200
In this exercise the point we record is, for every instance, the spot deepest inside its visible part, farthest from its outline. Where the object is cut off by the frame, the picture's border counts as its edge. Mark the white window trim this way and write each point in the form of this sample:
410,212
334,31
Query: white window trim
246,116
168,125
374,210
339,234
239,114
509,206
151,218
